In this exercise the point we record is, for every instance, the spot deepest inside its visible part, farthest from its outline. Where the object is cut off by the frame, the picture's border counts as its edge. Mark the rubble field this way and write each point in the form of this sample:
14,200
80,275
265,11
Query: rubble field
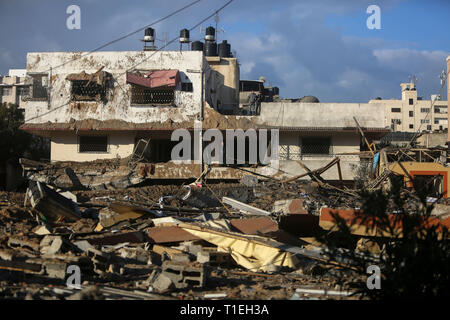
248,240
133,244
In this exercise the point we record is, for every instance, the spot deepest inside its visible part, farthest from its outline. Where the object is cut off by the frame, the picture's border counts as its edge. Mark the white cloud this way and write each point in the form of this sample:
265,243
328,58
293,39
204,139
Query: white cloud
6,56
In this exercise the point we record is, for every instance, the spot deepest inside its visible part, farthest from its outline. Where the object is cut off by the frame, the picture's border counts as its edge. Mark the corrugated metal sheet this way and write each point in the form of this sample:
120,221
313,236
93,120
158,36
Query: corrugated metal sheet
155,79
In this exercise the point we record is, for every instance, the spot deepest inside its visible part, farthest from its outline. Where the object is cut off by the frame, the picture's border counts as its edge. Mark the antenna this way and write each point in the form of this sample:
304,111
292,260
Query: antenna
443,77
216,18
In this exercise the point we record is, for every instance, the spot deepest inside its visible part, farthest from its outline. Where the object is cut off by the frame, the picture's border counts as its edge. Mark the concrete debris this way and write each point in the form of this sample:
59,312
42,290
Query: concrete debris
163,283
43,230
215,295
52,206
254,240
244,208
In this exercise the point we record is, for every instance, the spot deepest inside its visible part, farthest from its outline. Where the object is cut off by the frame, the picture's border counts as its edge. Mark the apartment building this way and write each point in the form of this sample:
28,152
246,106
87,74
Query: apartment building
413,114
14,88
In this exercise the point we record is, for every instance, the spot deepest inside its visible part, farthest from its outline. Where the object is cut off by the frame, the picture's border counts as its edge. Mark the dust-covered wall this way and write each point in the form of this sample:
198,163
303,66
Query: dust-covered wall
191,65
65,146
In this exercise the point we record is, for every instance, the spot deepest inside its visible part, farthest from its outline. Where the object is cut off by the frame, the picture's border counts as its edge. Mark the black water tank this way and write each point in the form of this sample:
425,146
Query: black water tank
224,49
150,32
197,46
276,91
211,49
184,35
210,34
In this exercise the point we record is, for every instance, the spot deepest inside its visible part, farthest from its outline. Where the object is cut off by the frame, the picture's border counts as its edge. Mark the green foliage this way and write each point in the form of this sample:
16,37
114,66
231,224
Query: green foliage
415,263
15,143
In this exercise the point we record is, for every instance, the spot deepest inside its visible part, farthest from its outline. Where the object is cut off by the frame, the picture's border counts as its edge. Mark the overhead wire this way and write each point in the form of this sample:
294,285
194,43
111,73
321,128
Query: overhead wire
120,38
145,59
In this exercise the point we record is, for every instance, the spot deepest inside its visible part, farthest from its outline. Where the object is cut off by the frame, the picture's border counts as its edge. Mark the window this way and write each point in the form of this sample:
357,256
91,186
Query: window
89,87
154,87
411,102
6,91
83,91
93,144
425,121
424,110
186,86
429,127
24,91
143,95
396,110
39,86
316,145
396,121
249,85
411,126
411,113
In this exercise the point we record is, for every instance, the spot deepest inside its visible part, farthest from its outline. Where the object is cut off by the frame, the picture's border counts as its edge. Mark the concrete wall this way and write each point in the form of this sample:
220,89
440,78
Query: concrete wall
65,147
227,81
323,115
430,140
14,83
191,64
340,143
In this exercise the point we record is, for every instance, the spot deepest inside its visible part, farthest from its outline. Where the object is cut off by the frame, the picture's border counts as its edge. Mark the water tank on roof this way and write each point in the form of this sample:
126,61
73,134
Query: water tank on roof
197,46
224,49
276,91
211,49
210,34
149,35
310,99
184,36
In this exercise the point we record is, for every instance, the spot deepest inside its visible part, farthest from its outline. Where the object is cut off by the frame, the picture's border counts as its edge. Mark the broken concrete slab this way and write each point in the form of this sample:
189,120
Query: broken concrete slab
83,245
23,242
185,275
43,230
244,208
290,206
51,205
162,283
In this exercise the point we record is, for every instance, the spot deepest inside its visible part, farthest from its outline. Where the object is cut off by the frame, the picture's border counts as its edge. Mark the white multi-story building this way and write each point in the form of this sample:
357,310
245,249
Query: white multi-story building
412,114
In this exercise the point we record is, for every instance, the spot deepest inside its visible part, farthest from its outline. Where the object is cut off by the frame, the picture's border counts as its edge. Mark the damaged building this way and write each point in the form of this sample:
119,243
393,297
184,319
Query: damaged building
110,105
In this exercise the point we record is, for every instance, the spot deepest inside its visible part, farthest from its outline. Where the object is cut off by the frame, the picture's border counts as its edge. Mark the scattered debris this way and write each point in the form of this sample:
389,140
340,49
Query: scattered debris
252,240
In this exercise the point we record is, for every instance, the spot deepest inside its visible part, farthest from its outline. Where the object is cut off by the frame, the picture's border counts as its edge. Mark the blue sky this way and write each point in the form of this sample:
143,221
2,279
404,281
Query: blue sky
306,47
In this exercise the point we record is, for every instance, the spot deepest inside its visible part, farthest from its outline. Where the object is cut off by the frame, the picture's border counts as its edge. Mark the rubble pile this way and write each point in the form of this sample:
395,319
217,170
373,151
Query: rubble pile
248,240
196,241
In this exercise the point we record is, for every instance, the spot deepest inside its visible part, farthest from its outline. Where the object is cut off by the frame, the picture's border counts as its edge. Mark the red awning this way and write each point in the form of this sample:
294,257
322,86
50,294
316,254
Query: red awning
155,79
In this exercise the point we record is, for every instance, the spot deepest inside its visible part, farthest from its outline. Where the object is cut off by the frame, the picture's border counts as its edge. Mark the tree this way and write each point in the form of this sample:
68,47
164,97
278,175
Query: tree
15,143
413,264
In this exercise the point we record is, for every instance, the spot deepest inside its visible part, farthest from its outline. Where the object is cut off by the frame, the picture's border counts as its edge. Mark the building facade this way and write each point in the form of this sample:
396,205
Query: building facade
14,88
448,93
412,114
100,105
